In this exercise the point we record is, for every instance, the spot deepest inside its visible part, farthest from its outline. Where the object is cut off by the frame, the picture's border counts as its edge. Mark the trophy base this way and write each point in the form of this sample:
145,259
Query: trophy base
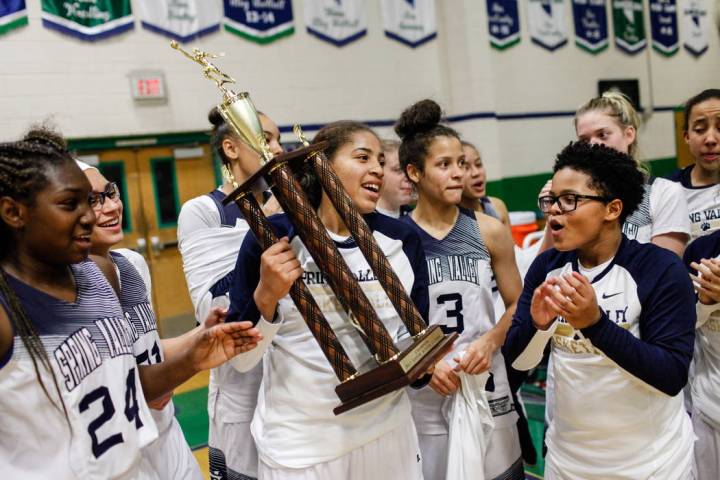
396,373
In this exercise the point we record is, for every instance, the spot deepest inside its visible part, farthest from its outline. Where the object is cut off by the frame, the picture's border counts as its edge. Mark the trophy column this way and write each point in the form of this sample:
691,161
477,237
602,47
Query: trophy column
342,281
367,244
303,299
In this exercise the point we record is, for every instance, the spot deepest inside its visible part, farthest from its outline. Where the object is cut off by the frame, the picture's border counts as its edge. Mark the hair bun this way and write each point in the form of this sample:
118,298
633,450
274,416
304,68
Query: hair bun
215,117
419,117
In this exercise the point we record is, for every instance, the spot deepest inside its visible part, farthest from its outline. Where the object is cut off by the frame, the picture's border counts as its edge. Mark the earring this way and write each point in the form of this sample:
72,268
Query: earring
228,176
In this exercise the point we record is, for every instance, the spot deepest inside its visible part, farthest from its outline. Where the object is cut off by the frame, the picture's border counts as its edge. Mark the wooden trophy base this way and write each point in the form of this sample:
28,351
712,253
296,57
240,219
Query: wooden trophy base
396,373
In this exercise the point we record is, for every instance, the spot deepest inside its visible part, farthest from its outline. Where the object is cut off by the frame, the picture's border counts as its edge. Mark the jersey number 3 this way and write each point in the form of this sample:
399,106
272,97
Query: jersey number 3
102,394
452,313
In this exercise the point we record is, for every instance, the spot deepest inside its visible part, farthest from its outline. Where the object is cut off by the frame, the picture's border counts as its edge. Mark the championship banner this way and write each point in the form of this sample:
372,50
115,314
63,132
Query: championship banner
695,25
411,22
336,21
12,15
262,21
503,23
88,19
663,26
591,25
628,25
547,23
181,20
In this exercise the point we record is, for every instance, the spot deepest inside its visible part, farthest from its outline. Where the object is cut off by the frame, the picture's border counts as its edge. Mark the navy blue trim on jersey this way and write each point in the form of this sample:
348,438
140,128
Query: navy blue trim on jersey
230,213
707,246
4,359
661,356
682,176
247,266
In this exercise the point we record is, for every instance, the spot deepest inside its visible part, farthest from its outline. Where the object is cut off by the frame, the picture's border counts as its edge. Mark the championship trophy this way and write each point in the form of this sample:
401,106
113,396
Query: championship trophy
393,369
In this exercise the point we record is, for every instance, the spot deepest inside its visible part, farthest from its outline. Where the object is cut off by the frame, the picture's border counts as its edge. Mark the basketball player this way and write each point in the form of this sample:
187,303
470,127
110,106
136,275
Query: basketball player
73,405
209,237
297,434
463,248
474,195
170,454
397,191
702,134
621,318
701,258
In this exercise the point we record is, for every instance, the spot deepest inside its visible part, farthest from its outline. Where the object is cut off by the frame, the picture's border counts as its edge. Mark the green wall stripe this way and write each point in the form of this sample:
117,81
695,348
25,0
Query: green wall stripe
108,143
520,193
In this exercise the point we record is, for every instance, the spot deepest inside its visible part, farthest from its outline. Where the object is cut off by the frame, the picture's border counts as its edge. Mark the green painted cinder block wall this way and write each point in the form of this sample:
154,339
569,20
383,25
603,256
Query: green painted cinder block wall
520,193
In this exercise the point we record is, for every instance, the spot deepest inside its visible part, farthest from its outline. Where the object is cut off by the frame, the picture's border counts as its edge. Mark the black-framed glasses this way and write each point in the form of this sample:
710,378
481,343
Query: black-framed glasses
568,202
97,199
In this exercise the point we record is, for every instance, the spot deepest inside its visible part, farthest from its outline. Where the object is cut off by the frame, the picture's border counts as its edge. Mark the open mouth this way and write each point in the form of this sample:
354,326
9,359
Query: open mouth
555,226
110,223
82,239
371,187
479,185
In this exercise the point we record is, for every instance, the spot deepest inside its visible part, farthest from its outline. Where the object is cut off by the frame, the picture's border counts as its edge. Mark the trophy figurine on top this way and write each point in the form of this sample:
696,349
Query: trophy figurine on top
394,369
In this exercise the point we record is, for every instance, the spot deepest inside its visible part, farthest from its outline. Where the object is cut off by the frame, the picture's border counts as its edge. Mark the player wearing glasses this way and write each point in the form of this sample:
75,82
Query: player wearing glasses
620,315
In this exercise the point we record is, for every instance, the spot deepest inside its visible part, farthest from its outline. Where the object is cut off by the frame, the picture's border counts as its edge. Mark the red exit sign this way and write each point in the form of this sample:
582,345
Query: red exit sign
147,85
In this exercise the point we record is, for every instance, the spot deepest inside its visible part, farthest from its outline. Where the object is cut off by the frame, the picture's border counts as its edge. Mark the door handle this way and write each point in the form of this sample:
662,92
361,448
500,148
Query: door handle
158,246
141,246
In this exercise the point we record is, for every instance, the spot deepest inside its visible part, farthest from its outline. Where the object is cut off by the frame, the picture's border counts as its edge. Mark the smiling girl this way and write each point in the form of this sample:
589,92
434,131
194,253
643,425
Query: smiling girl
170,454
74,397
297,434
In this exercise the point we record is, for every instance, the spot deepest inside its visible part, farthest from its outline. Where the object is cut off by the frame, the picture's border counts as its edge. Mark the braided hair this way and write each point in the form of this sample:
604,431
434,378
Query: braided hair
23,173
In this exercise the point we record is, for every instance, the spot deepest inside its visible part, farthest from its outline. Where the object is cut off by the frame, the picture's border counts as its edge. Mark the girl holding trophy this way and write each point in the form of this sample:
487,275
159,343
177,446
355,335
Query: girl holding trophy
297,434
463,250
209,237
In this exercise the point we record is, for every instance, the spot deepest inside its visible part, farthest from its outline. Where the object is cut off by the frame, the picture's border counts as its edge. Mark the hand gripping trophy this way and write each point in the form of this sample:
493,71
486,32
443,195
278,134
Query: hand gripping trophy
394,369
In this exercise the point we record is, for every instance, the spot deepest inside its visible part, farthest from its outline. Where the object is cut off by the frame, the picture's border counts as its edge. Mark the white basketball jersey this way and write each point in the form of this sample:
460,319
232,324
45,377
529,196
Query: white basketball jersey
460,280
703,204
294,425
90,347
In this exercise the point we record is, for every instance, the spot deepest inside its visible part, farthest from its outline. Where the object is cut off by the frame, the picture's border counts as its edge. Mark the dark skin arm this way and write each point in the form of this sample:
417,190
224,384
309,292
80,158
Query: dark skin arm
6,334
199,349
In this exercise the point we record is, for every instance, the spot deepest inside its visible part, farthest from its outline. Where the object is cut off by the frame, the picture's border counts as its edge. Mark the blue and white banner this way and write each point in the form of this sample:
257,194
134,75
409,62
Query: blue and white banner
411,22
336,21
591,25
503,23
664,26
695,21
547,23
88,19
182,20
262,21
12,15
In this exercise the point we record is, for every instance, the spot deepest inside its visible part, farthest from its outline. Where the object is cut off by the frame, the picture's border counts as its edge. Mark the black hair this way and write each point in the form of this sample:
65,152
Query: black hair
612,174
220,131
418,126
699,98
23,173
336,134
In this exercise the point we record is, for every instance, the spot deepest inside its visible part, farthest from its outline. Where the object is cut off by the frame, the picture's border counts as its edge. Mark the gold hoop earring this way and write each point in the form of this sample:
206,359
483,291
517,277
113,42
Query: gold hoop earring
228,176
